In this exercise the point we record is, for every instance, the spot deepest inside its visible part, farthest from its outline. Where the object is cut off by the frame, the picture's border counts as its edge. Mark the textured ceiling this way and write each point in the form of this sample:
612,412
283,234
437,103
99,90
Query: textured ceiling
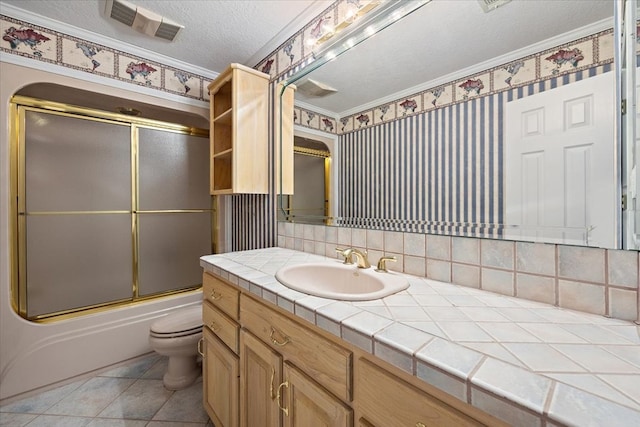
216,33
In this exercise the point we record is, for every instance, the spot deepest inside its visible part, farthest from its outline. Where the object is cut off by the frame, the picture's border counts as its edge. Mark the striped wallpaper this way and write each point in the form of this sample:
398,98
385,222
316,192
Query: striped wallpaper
253,222
439,172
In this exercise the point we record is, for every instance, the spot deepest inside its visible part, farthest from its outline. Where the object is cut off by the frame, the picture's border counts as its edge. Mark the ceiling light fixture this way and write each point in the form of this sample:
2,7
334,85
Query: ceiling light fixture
142,20
353,13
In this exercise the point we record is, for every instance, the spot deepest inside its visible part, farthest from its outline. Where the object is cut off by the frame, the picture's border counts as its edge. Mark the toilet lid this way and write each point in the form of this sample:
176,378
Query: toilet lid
187,320
181,334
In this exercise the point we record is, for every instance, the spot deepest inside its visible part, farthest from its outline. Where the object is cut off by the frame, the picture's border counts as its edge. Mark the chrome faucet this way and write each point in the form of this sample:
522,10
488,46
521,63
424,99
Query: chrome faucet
361,257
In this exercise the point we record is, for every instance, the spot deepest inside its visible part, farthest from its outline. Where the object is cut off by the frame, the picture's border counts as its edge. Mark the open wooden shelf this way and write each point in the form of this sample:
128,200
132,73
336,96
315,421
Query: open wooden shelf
239,131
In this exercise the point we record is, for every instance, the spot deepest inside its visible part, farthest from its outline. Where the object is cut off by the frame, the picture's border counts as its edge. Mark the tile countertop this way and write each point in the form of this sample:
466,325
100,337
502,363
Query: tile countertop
522,361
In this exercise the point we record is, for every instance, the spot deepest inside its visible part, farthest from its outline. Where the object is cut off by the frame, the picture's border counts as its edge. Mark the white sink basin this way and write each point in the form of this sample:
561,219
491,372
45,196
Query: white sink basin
340,281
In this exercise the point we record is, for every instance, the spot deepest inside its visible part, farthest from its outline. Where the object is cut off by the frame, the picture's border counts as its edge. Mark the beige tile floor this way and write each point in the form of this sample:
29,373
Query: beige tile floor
128,396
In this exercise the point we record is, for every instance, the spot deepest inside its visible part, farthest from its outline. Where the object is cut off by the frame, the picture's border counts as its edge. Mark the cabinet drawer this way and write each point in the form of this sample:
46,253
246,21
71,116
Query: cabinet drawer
221,294
226,329
386,400
326,362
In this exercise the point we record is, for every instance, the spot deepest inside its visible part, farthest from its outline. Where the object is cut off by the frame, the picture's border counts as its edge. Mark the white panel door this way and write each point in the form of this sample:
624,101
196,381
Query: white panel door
559,164
632,226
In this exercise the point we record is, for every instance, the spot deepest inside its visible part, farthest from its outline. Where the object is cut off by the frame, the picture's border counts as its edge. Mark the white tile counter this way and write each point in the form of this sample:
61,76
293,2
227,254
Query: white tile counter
522,361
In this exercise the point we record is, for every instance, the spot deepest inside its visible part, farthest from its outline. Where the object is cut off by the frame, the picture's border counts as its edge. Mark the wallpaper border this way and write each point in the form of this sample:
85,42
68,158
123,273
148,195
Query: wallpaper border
47,45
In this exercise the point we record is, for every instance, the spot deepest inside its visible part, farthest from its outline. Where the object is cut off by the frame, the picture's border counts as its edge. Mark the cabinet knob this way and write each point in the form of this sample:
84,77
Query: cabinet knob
214,326
419,424
215,296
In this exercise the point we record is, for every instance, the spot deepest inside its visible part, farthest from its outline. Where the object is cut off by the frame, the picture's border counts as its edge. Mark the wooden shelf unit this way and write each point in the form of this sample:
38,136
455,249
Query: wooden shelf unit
239,131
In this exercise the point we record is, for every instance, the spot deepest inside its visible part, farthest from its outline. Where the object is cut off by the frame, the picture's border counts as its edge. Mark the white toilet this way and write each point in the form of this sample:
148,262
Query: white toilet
176,336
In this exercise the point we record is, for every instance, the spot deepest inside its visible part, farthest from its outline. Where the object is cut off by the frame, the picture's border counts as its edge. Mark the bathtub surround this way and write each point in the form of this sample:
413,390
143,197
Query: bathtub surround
36,355
592,280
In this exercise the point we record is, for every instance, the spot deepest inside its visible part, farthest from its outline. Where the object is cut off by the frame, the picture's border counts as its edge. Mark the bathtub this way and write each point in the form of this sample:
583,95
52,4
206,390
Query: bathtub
34,356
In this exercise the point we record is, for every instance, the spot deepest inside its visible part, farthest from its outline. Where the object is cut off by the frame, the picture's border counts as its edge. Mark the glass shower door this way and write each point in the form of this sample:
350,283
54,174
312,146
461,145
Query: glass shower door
109,211
174,210
76,213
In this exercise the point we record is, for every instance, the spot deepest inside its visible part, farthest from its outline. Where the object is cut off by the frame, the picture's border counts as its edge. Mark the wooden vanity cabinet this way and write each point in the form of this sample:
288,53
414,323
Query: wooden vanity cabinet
385,400
275,393
221,364
288,372
238,106
264,367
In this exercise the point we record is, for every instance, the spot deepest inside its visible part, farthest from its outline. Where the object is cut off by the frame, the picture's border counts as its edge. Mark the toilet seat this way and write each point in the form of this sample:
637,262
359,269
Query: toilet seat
176,334
182,323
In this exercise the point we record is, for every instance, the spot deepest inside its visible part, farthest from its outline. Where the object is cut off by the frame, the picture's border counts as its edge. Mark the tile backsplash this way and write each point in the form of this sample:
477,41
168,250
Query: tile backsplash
592,280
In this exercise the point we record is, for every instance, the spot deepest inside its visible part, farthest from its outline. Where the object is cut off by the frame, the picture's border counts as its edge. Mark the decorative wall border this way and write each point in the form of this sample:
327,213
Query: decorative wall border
295,51
44,44
313,120
578,55
47,45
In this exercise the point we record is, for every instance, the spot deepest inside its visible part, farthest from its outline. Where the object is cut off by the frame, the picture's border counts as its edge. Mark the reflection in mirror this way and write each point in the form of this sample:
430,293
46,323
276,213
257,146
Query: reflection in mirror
501,126
312,181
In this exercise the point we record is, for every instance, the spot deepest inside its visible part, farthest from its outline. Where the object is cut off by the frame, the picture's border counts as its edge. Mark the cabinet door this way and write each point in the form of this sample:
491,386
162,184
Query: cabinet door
327,363
261,373
307,404
385,400
220,378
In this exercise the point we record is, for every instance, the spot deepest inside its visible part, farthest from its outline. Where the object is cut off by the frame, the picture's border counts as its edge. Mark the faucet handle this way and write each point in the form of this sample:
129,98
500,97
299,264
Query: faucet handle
382,263
346,253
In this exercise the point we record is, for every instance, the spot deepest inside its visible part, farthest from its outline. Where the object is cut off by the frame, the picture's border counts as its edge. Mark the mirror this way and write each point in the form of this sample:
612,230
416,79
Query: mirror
312,181
453,120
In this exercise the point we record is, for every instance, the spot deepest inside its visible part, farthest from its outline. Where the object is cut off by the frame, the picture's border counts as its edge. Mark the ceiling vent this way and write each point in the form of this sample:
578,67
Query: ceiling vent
142,20
489,5
314,89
